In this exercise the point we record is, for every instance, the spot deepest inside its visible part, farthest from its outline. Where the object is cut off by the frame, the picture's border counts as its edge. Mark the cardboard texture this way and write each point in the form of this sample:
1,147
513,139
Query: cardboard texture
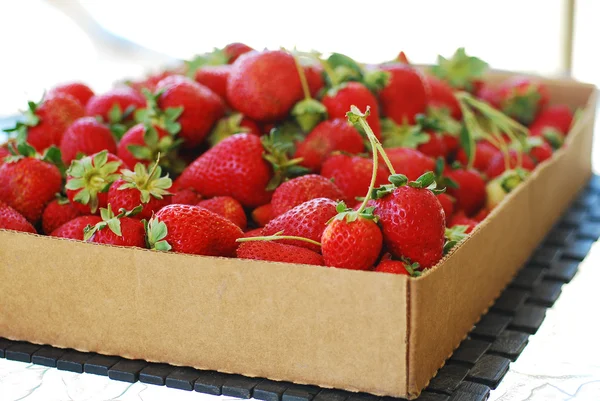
360,331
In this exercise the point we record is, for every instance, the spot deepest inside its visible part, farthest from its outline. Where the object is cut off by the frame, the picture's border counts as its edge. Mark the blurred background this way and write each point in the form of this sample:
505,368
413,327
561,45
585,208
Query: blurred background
44,42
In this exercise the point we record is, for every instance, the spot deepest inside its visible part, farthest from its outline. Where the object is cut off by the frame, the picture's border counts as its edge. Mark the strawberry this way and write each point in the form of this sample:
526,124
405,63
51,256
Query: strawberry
483,213
235,167
201,107
79,91
460,219
185,196
306,220
120,229
255,232
553,124
489,94
141,187
441,96
521,98
497,164
412,219
234,50
276,252
339,99
314,78
263,214
3,154
410,162
57,213
214,77
301,189
28,184
45,123
404,96
470,194
351,174
142,143
149,83
73,229
230,125
10,219
447,203
86,136
264,85
389,265
227,207
539,150
484,153
325,138
115,104
192,229
435,147
461,71
89,179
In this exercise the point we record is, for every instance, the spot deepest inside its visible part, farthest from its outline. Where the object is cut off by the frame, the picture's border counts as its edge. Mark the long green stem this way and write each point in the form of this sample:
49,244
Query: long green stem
376,144
363,205
302,75
330,73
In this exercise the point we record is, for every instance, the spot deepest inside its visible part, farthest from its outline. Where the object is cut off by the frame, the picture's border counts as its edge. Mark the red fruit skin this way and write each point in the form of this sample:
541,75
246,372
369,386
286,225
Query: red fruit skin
56,214
263,214
185,196
497,167
227,207
338,103
253,128
276,252
73,229
483,213
10,219
56,114
3,153
214,77
264,85
28,185
88,136
307,220
441,96
388,265
460,219
405,95
354,246
314,78
129,199
135,136
325,138
484,152
451,143
255,232
234,167
541,152
301,189
447,203
80,91
435,147
152,80
124,97
409,162
557,116
132,230
471,194
234,50
201,107
352,175
195,230
489,94
413,225
522,98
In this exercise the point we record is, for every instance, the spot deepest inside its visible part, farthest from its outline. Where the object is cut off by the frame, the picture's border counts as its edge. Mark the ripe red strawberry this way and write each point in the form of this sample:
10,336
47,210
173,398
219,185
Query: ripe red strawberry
214,77
409,162
141,187
122,99
447,203
441,96
497,165
276,252
185,196
193,229
86,136
301,189
89,179
149,83
553,124
120,230
522,98
255,232
10,219
262,215
142,143
352,174
201,107
338,101
325,138
264,85
80,91
235,167
435,147
231,125
404,96
3,154
73,229
314,78
306,220
484,152
27,184
45,123
389,265
460,219
489,94
57,213
234,50
412,220
539,150
227,207
470,195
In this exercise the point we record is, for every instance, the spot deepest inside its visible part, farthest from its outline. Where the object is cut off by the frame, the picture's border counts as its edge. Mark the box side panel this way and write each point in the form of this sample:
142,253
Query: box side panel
446,302
305,324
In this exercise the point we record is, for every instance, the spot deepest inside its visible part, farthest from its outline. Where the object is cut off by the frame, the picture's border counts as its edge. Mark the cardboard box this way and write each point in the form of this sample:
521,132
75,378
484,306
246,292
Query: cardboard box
361,331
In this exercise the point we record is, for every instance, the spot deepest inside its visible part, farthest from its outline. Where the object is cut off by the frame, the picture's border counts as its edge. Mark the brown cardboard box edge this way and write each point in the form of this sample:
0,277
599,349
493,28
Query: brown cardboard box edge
360,331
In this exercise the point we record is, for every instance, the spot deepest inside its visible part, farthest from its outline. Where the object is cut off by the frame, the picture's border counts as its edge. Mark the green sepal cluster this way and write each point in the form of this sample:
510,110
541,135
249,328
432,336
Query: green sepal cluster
405,135
147,180
216,57
461,70
154,115
511,179
110,220
154,145
119,121
29,119
439,119
308,113
344,213
20,150
156,232
453,236
413,269
278,146
522,105
376,80
227,127
425,181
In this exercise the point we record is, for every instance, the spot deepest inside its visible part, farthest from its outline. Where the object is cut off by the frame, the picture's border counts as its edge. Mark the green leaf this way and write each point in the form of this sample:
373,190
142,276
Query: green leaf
376,80
173,113
140,152
100,159
398,180
75,183
115,226
468,145
115,114
25,149
53,155
172,127
150,135
162,246
336,60
424,180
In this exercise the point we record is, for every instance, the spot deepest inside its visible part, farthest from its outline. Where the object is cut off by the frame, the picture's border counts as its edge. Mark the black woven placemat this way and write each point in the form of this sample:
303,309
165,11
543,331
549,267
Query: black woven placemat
476,367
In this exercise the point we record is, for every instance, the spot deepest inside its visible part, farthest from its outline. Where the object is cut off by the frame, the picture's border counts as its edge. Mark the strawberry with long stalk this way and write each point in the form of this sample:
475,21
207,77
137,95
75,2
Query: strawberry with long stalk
309,111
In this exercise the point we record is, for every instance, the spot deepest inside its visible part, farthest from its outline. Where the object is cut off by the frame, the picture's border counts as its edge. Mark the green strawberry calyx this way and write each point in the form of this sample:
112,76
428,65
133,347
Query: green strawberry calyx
30,119
453,236
425,181
442,179
376,79
413,269
216,57
90,176
226,127
278,236
147,180
460,71
154,115
154,145
522,103
119,121
554,137
110,220
439,119
405,135
20,150
156,232
350,215
278,146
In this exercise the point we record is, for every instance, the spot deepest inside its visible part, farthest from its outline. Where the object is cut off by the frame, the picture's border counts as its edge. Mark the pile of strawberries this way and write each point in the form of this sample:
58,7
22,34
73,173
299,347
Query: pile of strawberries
280,155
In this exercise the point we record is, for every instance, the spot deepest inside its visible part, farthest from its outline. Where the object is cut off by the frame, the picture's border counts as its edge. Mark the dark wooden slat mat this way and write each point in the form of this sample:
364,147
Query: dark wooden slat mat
477,365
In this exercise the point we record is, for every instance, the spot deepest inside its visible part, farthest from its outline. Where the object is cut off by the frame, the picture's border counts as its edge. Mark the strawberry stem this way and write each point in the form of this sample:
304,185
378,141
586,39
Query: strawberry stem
302,76
363,205
375,142
278,236
153,170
